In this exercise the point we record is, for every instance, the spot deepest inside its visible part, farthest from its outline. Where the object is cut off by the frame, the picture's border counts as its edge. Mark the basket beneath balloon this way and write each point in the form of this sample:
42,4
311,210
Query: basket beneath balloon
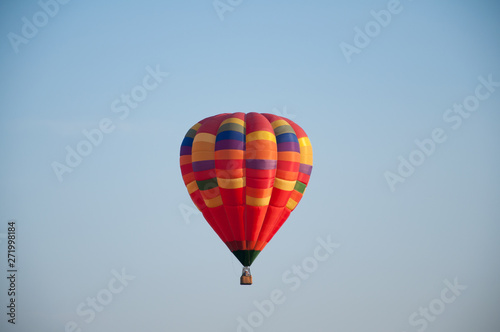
246,280
246,276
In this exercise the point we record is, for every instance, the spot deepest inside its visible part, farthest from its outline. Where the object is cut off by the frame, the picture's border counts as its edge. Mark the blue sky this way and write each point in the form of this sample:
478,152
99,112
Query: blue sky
123,210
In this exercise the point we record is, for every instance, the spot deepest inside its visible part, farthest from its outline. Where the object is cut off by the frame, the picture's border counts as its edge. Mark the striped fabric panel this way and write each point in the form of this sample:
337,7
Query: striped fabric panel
190,181
261,160
306,164
204,169
288,164
304,174
230,170
187,167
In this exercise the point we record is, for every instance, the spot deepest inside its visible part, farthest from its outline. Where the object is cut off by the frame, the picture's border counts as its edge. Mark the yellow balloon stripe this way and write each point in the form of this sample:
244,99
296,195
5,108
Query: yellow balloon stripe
204,137
304,141
306,155
202,146
203,155
231,183
306,152
214,202
278,123
291,204
255,201
284,184
233,120
192,187
261,135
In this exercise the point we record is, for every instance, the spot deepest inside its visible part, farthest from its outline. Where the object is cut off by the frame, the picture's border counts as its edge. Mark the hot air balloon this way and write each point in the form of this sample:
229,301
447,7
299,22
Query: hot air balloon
246,173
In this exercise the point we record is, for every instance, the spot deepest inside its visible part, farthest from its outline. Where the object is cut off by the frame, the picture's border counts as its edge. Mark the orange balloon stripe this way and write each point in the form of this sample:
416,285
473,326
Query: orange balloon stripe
261,144
296,196
286,175
201,146
185,160
259,193
202,155
261,153
229,154
291,156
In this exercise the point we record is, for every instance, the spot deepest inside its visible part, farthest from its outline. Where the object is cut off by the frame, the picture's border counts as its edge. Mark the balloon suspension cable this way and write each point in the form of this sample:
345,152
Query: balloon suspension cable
246,276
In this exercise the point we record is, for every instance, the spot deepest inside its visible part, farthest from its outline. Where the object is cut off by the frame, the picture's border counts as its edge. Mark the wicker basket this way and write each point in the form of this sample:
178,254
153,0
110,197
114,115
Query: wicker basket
246,280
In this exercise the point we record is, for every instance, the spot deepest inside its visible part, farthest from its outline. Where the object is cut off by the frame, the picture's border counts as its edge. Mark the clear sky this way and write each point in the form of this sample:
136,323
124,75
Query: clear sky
401,103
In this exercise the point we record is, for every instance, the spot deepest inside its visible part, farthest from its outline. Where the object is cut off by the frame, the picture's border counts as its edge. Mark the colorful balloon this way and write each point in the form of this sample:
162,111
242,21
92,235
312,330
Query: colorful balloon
246,173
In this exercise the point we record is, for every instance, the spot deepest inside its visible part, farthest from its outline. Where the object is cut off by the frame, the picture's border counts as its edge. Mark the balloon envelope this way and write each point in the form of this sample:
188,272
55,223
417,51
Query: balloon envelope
246,173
